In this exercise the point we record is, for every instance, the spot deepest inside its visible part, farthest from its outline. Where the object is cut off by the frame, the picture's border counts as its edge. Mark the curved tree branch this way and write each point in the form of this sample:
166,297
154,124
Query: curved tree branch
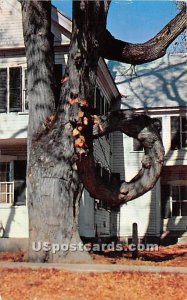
141,127
135,54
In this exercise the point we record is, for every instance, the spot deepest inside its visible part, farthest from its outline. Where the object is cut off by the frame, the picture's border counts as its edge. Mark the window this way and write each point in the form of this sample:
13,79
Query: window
15,89
178,132
25,93
100,103
3,89
13,182
179,201
11,95
173,201
6,183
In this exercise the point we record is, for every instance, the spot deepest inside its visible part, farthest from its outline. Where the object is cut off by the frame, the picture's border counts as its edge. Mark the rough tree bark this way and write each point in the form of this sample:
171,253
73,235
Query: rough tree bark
53,185
60,139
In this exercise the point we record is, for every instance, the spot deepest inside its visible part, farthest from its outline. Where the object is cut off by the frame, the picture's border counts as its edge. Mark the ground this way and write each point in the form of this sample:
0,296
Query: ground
52,284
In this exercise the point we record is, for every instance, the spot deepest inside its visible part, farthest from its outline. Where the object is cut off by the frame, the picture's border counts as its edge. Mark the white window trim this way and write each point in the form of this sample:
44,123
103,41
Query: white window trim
171,200
11,182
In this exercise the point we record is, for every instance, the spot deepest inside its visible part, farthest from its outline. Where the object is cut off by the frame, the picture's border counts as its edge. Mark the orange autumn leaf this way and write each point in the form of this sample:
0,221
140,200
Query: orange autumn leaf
85,121
79,142
79,128
73,101
81,114
75,132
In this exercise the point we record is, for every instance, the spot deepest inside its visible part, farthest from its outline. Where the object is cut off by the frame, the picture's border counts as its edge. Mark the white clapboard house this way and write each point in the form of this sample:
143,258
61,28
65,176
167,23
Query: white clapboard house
159,89
96,219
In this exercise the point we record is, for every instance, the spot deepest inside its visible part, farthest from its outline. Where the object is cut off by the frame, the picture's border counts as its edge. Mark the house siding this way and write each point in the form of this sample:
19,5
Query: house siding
13,125
14,220
11,24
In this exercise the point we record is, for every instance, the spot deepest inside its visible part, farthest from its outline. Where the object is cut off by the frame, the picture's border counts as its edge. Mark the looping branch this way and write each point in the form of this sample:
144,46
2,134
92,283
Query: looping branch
141,127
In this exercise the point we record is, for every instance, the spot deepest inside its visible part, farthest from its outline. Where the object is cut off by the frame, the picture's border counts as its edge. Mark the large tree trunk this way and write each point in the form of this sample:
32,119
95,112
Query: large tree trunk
54,189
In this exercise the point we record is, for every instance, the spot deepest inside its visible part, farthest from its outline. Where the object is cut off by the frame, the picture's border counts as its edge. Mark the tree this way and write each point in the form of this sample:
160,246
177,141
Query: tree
60,138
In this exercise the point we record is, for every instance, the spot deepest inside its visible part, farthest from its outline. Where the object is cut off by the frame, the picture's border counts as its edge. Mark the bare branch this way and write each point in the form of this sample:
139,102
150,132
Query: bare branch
135,54
141,127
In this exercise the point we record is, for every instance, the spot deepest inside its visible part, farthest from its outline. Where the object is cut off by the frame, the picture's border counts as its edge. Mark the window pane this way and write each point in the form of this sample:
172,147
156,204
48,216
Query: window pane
158,124
26,93
20,169
183,192
3,90
175,209
175,140
184,209
175,193
98,100
175,124
15,86
20,192
165,201
184,139
184,124
4,171
175,133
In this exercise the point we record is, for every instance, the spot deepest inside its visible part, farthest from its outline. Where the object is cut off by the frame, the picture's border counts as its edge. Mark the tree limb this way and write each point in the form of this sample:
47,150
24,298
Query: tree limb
141,127
153,49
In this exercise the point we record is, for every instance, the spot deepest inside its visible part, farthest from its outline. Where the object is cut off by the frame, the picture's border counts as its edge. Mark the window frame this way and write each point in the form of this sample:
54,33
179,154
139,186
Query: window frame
8,183
101,103
179,200
22,90
181,132
10,186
